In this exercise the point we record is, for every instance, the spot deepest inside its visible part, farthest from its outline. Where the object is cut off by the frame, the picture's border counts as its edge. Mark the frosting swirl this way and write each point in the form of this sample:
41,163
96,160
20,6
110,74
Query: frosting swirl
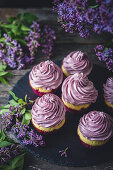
96,125
48,111
46,75
78,90
108,90
77,61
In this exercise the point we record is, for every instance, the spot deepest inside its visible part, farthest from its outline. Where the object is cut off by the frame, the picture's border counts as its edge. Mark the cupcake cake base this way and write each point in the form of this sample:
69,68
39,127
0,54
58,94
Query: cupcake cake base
66,74
40,91
90,143
77,109
47,131
109,106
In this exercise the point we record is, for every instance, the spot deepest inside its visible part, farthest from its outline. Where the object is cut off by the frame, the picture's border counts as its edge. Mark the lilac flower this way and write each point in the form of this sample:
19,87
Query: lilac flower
10,52
6,120
8,116
64,152
47,39
80,16
105,55
27,135
9,152
33,39
99,48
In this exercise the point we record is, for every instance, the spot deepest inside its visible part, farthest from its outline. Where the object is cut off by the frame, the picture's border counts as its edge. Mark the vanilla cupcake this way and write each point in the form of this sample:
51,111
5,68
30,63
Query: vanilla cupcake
95,129
78,93
108,93
48,114
45,77
76,62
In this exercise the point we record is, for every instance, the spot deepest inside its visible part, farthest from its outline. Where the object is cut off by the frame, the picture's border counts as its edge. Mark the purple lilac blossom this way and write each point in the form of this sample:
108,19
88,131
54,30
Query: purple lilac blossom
8,116
64,152
79,16
33,40
47,40
106,55
11,53
27,135
16,57
9,152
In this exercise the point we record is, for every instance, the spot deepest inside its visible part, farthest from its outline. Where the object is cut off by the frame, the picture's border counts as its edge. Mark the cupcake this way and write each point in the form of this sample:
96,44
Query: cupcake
76,62
95,129
48,113
78,93
108,93
45,77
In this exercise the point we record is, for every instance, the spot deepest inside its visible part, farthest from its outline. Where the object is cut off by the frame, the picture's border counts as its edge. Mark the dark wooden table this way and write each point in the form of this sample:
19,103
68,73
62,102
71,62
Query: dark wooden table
65,43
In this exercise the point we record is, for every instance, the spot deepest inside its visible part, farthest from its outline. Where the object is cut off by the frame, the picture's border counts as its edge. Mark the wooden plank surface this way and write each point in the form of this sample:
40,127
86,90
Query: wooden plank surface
65,43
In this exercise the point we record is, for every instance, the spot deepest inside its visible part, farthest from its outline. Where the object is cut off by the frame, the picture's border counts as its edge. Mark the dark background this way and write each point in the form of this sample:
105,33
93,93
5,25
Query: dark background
25,3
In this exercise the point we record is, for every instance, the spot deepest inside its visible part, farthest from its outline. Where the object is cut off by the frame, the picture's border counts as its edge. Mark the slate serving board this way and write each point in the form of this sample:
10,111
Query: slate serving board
78,155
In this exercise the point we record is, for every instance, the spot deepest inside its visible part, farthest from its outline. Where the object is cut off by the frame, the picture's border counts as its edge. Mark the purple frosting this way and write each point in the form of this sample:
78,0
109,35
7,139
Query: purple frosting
108,90
48,111
77,62
46,75
96,125
78,90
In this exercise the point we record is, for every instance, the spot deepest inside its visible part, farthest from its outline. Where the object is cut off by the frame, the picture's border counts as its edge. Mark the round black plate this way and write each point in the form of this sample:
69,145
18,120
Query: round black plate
78,155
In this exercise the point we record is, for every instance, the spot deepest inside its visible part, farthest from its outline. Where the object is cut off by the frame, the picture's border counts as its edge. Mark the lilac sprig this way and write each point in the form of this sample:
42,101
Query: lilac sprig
33,40
11,53
40,37
47,40
7,118
27,135
82,17
17,57
9,152
106,55
64,152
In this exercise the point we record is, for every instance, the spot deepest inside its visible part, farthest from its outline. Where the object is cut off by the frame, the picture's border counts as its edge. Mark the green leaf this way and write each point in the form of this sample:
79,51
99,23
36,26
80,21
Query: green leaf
23,110
31,101
5,143
2,67
4,81
14,164
15,30
2,136
9,74
28,18
11,19
7,26
5,107
10,34
3,111
95,6
2,73
13,103
26,98
21,41
18,162
28,116
2,40
20,101
24,28
24,121
105,49
13,95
